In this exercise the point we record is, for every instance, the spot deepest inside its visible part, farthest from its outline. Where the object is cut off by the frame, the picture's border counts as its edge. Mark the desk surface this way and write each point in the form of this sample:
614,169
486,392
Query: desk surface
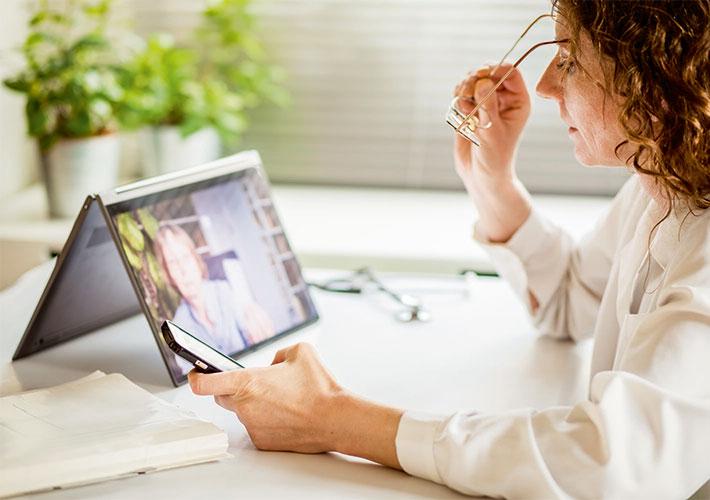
478,352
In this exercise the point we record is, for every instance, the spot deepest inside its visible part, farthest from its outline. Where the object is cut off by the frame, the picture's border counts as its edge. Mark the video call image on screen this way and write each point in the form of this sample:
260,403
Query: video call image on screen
214,259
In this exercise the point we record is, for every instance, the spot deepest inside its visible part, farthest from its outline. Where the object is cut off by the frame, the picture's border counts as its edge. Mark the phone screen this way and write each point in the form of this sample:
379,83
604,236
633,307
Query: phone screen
202,350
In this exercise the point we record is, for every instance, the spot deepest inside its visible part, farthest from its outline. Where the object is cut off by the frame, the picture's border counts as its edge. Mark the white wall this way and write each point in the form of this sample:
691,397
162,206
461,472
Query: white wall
18,156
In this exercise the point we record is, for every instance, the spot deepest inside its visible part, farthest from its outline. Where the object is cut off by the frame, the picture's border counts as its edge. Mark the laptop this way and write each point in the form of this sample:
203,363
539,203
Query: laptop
203,247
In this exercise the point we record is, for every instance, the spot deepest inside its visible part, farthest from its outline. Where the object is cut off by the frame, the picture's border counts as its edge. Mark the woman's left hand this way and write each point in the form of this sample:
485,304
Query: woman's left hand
296,405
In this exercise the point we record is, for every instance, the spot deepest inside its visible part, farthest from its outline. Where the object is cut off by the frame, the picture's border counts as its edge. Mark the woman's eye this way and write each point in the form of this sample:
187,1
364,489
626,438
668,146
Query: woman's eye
565,64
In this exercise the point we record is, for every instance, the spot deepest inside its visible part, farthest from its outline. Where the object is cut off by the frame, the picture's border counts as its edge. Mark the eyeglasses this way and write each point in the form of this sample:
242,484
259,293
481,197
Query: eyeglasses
467,123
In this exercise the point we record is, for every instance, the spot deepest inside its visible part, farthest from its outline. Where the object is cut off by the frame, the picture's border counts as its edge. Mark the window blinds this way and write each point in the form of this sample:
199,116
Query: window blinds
371,80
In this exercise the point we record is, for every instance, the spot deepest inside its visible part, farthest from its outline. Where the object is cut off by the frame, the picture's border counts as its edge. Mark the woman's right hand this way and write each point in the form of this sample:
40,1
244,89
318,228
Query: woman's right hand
488,171
490,164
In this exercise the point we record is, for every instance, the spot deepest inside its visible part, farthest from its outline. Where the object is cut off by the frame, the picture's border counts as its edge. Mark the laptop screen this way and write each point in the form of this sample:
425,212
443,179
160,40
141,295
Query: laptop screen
213,258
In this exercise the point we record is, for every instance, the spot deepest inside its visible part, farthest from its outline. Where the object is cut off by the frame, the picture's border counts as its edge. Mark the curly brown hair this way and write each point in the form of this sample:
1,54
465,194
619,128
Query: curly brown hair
660,68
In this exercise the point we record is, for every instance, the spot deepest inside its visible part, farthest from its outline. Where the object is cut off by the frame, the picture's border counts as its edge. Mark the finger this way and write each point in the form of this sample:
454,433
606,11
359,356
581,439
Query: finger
514,81
280,356
489,109
469,83
294,352
463,149
467,87
217,384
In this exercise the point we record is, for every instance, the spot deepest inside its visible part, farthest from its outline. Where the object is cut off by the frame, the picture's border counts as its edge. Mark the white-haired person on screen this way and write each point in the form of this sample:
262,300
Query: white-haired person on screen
208,308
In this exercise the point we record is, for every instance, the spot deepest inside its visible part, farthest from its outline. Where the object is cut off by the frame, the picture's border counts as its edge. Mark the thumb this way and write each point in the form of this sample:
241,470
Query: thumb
283,355
489,109
217,384
462,146
293,352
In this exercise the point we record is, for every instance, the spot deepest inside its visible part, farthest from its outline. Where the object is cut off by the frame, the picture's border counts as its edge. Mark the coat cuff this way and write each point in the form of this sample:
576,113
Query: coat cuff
415,444
523,260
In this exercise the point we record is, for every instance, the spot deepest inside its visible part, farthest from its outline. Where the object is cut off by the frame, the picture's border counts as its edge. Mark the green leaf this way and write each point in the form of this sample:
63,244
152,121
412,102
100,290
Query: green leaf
47,16
154,269
37,118
79,123
133,258
39,37
90,41
191,125
150,223
130,232
98,9
39,18
18,84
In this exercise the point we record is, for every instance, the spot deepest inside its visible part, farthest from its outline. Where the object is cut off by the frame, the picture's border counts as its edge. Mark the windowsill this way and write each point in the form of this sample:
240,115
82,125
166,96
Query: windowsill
346,228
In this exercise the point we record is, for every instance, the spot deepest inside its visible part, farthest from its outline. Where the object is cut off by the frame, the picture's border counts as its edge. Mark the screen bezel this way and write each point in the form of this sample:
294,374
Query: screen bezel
229,168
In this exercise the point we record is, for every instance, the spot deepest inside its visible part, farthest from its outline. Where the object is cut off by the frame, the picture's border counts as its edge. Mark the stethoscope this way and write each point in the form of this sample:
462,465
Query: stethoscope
358,282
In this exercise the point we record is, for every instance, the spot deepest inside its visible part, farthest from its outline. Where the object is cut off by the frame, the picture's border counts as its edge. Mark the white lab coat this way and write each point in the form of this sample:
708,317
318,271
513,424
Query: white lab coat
644,430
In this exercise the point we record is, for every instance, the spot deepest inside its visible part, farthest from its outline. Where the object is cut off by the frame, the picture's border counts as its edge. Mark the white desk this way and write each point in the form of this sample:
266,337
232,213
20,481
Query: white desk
479,351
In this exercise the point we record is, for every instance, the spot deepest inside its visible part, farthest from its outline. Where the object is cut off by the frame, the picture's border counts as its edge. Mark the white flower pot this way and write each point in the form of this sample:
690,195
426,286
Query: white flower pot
165,150
75,168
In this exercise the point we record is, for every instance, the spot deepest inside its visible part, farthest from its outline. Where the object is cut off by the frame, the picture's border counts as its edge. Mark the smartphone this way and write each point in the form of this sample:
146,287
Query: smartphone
204,358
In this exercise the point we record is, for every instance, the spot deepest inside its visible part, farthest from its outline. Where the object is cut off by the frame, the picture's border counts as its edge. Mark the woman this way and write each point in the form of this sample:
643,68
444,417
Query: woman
631,81
208,308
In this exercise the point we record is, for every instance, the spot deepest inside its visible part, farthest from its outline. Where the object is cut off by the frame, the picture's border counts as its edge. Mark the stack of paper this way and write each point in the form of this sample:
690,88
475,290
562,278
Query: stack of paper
96,428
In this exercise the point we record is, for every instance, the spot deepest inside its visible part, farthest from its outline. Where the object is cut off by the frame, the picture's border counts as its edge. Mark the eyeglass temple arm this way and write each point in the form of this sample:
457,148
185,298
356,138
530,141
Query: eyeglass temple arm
503,78
522,35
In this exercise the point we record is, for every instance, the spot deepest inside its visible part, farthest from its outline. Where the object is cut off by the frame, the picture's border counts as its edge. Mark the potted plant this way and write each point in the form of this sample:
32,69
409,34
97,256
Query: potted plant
185,113
194,99
71,82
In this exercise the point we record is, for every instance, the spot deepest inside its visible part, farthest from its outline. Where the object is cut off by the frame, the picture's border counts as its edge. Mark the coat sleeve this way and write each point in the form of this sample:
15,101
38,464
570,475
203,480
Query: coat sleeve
567,278
644,432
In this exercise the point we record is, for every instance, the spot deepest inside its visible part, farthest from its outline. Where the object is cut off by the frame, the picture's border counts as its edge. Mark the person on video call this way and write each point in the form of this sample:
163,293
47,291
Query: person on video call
208,308
631,80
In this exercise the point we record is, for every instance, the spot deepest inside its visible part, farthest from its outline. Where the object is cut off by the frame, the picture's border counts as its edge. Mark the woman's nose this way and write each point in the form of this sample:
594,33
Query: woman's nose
548,87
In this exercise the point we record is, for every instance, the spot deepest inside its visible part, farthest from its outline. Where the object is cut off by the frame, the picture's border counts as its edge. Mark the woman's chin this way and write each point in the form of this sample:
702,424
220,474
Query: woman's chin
588,160
584,158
